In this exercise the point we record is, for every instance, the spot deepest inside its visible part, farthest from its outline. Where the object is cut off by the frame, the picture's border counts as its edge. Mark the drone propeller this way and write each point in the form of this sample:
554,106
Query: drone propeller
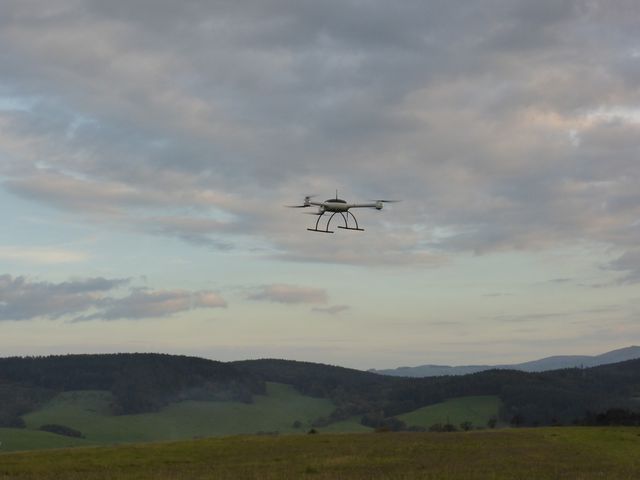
314,213
307,199
386,201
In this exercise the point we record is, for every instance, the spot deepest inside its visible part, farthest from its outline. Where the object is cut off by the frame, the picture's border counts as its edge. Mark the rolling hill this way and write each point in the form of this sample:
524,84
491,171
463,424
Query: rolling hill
281,409
150,397
537,398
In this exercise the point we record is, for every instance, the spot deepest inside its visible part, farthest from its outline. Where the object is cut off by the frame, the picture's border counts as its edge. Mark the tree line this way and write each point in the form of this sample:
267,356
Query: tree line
528,399
139,382
147,382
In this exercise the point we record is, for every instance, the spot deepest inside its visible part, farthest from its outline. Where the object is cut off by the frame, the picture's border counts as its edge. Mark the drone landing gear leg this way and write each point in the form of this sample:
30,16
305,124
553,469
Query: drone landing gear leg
326,230
346,224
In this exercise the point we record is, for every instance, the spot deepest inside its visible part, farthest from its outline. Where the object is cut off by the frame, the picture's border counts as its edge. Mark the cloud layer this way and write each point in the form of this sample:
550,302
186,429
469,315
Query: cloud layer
41,255
504,125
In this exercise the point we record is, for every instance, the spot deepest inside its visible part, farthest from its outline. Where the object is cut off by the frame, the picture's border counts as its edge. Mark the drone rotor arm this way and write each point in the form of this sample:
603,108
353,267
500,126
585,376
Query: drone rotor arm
378,204
363,205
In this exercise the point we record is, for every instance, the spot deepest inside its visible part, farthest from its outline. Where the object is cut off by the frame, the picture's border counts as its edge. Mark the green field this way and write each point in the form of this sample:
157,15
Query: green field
477,410
88,412
544,453
15,439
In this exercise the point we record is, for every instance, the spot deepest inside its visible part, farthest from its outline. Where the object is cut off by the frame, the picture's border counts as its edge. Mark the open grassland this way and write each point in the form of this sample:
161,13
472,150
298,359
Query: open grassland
544,453
477,410
88,412
15,439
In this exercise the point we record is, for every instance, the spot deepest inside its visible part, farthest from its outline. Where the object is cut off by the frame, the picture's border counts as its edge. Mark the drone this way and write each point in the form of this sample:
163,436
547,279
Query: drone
336,206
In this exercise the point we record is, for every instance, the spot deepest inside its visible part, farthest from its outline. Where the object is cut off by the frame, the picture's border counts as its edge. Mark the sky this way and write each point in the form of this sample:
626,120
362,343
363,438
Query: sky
148,148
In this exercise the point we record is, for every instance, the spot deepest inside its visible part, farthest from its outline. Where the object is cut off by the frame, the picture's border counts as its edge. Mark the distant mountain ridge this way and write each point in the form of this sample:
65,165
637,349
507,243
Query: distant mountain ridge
556,362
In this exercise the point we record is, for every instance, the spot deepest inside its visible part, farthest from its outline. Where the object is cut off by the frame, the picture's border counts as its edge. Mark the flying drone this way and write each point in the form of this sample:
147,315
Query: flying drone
336,206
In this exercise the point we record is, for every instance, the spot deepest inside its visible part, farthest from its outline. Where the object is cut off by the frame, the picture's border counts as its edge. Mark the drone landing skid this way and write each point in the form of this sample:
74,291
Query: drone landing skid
344,216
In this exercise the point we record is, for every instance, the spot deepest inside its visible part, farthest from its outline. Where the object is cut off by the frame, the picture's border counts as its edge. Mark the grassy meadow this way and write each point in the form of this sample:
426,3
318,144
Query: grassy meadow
475,409
544,453
16,439
88,412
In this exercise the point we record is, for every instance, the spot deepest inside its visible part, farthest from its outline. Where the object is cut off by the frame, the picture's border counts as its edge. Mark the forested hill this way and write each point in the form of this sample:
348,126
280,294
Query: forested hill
559,396
139,382
148,382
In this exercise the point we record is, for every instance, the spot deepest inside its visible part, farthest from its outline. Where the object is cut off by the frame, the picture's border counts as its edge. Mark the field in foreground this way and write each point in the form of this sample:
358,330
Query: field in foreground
544,453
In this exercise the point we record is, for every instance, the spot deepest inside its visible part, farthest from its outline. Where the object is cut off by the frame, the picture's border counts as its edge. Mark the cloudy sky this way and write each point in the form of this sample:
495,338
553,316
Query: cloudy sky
147,149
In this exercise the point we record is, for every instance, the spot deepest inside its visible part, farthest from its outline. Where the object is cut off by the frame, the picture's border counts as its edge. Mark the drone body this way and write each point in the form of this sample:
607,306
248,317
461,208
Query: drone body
337,206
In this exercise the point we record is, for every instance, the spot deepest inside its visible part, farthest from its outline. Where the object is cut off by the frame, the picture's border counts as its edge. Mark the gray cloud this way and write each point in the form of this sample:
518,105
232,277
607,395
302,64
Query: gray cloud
25,299
195,230
331,310
289,294
629,264
535,317
153,304
580,315
506,125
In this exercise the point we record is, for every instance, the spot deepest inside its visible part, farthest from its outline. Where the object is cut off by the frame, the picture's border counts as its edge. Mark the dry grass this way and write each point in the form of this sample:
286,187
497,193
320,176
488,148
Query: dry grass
545,453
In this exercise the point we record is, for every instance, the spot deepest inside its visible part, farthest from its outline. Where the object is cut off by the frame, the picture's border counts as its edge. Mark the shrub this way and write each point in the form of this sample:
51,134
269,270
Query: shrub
466,425
61,430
